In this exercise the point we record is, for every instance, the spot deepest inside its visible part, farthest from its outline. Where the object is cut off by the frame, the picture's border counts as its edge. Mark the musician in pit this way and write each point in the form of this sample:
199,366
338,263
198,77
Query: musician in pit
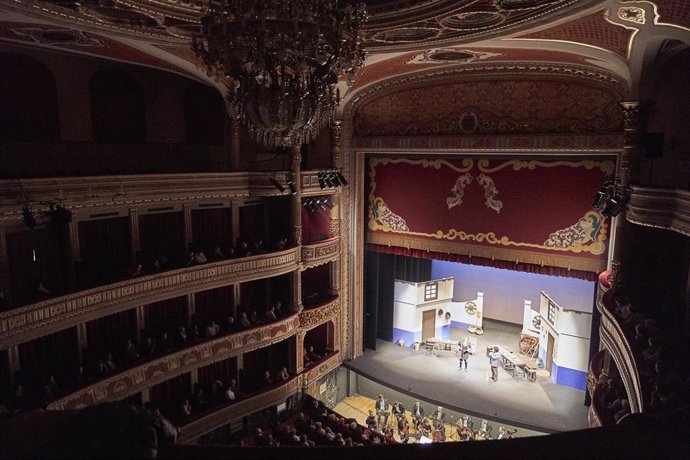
371,421
417,415
398,412
439,417
381,411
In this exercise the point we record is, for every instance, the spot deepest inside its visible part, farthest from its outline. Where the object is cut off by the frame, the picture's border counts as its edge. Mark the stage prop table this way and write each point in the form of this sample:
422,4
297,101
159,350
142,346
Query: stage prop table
434,344
516,365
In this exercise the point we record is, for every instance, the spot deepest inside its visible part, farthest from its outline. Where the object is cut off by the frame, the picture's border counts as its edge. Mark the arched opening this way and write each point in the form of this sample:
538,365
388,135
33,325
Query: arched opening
117,108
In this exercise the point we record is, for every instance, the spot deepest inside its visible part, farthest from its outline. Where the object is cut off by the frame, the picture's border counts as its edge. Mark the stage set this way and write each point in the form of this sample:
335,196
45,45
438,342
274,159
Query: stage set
512,249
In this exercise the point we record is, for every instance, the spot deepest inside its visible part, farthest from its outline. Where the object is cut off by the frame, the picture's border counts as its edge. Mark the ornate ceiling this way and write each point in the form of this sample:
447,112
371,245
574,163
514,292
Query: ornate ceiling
410,42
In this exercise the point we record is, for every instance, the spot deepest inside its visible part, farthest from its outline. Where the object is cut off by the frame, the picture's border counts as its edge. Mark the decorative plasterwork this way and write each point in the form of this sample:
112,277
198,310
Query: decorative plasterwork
312,317
133,380
592,30
555,106
477,72
613,337
320,253
660,208
40,319
107,193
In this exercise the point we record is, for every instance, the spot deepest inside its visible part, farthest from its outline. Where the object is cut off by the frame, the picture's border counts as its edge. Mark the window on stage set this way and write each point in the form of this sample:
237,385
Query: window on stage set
551,314
431,291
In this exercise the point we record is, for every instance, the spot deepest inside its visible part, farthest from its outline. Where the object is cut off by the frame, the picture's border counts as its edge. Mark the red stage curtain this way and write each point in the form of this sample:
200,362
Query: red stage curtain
212,227
214,304
105,250
522,267
162,234
165,316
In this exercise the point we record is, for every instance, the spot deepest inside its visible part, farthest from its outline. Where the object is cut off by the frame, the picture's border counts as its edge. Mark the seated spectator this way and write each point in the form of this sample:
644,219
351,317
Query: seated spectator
244,321
199,401
371,421
130,352
110,364
195,333
651,354
230,394
50,389
216,253
147,347
271,315
283,374
267,378
624,410
255,320
258,247
185,409
189,259
306,359
259,438
164,344
200,257
136,270
217,391
278,309
212,329
313,356
241,249
181,337
230,325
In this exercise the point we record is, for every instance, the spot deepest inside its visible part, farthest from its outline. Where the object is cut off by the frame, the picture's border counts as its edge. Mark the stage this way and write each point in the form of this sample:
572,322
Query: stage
541,405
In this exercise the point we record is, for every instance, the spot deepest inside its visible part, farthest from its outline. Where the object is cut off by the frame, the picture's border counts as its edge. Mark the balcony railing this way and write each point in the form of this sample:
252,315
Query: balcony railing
315,316
136,379
322,252
661,208
231,411
595,390
616,342
49,316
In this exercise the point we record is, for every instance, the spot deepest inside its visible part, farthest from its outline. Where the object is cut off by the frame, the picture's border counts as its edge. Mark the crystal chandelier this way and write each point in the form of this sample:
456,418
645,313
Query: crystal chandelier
282,60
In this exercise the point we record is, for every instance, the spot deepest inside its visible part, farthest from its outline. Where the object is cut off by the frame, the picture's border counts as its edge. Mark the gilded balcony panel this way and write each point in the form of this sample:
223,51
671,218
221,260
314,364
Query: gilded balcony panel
43,318
134,380
320,253
593,418
660,208
322,368
617,344
225,415
312,317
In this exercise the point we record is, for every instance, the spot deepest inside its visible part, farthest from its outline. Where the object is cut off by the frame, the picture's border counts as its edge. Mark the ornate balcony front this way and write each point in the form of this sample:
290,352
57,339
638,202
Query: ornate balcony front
661,208
134,380
614,339
251,404
322,252
315,316
43,318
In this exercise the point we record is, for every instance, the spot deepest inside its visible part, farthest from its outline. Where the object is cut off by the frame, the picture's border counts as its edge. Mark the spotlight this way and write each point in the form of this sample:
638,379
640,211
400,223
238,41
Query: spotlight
328,204
59,215
334,179
291,185
343,181
327,179
322,182
615,205
277,185
599,199
28,216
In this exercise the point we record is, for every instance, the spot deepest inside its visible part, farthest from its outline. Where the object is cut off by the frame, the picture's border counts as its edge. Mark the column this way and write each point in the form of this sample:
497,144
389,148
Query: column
82,344
188,234
13,363
141,323
134,232
74,248
234,134
627,173
334,277
299,351
296,217
191,309
336,130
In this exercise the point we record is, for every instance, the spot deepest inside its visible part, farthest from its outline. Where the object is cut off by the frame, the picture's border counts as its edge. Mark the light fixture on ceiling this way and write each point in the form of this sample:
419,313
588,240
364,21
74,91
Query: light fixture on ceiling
282,61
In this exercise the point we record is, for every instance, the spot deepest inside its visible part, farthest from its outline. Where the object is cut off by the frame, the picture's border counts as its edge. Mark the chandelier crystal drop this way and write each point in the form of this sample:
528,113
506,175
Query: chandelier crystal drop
282,60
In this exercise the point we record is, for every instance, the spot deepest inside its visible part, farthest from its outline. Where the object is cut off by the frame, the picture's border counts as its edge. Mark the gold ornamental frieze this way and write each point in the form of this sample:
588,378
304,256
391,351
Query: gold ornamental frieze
320,253
147,374
315,316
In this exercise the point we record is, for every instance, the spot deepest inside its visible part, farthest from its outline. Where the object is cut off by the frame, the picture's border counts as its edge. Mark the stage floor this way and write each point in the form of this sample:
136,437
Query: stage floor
540,405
